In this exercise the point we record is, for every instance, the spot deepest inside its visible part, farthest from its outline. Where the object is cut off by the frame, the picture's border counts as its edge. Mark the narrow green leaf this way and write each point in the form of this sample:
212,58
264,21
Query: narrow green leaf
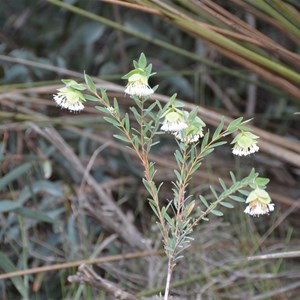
142,61
244,192
214,145
138,102
213,191
203,200
91,98
103,109
35,215
226,204
147,186
127,122
137,116
116,106
14,174
217,213
223,185
207,152
237,198
121,138
234,124
104,96
232,177
196,167
169,220
8,205
219,128
177,175
7,266
205,140
112,121
90,83
150,108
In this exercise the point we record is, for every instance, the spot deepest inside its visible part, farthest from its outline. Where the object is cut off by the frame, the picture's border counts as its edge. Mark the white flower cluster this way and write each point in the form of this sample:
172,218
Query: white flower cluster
70,96
240,151
259,203
245,143
71,104
191,138
259,209
138,89
176,122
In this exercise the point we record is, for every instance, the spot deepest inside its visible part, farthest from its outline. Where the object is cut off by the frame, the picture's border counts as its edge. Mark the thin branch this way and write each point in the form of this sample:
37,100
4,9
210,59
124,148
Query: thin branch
87,275
290,254
77,263
133,6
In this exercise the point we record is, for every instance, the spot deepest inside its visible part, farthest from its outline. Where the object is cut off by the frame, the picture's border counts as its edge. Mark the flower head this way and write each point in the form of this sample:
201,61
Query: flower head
70,97
259,203
174,121
192,133
245,143
138,85
138,78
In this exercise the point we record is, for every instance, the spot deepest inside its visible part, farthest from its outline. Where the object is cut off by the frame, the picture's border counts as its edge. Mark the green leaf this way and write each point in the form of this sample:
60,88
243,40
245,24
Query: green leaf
171,101
104,96
7,266
14,174
237,198
205,140
36,215
89,82
213,191
112,121
103,109
150,108
137,116
226,204
147,186
116,106
223,185
207,152
127,122
8,205
122,138
234,124
214,145
142,62
196,167
219,129
232,177
262,182
154,209
91,98
217,213
244,192
177,175
203,200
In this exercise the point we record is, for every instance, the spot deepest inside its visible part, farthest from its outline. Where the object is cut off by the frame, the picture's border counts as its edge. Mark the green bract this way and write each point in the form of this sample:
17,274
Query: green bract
245,139
259,195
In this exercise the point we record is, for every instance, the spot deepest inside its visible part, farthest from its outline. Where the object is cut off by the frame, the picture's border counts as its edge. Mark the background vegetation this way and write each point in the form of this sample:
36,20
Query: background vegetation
69,191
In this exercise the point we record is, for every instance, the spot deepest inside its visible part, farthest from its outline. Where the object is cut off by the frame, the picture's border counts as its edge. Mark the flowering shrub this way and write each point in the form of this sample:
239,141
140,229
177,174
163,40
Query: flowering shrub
178,218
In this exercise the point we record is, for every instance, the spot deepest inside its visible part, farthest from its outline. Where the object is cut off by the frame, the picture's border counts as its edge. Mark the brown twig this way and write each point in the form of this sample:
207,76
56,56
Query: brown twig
133,6
289,254
77,263
87,275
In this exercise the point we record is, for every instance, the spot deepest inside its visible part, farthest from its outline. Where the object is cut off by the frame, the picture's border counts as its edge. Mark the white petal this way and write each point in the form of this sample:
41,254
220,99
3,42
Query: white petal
138,90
